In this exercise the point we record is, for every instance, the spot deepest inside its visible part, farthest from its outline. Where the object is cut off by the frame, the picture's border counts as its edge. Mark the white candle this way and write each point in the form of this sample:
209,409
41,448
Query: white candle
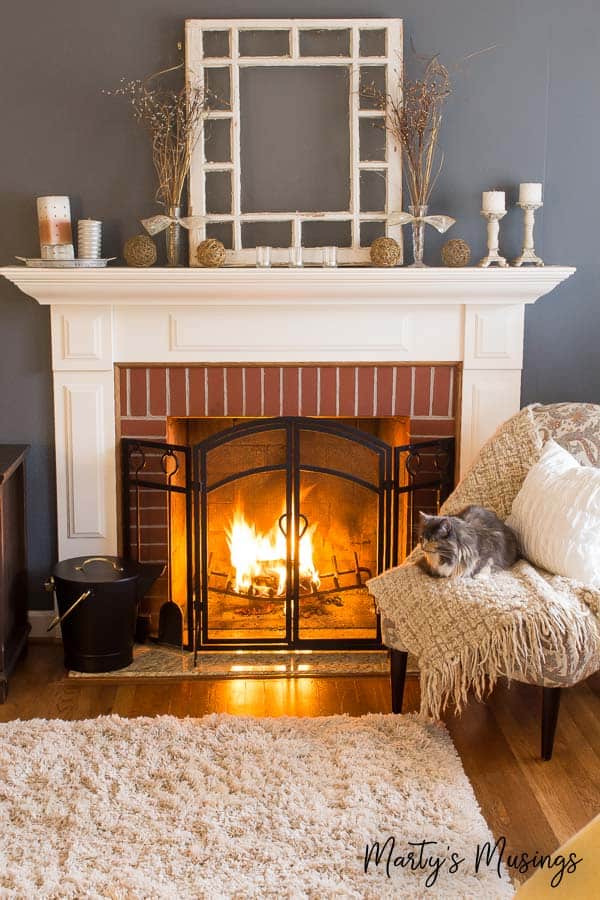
494,201
530,192
54,216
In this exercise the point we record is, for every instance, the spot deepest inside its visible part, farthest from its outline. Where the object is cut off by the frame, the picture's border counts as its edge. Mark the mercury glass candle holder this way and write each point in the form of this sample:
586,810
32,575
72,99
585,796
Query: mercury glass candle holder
263,257
528,254
493,230
295,257
329,257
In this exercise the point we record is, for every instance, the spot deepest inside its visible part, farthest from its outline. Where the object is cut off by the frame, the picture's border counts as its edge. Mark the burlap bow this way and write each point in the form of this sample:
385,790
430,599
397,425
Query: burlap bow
156,224
441,223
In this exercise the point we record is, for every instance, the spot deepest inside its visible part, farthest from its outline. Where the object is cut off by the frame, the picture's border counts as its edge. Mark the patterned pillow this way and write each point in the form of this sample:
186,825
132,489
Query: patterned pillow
575,426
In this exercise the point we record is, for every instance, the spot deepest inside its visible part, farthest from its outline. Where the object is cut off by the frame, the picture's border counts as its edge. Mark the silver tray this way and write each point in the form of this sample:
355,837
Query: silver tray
65,263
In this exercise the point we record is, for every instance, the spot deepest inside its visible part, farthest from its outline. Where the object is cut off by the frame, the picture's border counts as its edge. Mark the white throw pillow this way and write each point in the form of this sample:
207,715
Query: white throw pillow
556,515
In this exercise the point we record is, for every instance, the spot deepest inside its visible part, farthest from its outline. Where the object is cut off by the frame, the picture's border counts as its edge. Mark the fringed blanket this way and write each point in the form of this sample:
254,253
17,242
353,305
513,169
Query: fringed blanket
467,632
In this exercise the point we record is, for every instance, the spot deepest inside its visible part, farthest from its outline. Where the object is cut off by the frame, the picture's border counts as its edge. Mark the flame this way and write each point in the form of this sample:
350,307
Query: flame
259,560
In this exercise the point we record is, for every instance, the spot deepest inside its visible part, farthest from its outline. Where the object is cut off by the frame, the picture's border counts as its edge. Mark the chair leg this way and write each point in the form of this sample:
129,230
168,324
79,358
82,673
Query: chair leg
550,707
398,661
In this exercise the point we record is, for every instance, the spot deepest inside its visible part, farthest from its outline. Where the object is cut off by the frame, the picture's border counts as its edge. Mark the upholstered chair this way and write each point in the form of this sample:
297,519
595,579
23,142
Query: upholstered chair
523,624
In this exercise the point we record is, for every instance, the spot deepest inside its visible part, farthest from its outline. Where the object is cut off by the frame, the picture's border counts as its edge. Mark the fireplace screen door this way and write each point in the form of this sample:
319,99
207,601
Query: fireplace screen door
270,529
292,522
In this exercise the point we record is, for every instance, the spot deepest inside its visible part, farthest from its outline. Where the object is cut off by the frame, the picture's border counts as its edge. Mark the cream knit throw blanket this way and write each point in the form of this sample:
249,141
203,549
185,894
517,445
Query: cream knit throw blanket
523,623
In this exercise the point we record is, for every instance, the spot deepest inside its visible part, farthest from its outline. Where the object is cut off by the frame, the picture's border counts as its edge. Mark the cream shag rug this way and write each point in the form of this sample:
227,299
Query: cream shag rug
229,806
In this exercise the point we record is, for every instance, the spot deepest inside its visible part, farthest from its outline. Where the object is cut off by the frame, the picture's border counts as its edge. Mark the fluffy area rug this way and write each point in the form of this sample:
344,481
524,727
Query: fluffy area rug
237,807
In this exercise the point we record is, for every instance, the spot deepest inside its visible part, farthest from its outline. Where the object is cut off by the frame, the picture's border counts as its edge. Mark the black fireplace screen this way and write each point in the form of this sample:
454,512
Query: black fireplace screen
270,529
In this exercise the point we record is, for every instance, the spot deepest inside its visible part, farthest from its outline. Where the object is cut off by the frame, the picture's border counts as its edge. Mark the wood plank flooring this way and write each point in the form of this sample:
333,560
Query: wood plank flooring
535,804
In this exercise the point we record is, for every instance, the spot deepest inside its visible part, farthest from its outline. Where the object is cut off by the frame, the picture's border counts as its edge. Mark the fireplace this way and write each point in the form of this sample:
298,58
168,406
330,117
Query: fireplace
271,526
230,343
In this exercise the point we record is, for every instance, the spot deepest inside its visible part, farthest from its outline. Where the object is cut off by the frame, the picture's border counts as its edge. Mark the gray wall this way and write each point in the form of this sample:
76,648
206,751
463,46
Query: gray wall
526,111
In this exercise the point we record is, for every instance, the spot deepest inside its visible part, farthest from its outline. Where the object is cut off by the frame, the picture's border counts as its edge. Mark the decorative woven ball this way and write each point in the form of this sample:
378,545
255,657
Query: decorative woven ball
456,253
385,251
139,251
211,253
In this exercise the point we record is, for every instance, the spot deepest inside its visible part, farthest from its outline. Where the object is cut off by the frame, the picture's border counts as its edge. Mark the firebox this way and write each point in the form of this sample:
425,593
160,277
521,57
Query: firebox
273,526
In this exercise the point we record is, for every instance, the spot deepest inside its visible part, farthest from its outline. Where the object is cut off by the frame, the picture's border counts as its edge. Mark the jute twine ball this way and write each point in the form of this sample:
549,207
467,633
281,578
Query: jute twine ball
211,253
456,253
139,251
385,251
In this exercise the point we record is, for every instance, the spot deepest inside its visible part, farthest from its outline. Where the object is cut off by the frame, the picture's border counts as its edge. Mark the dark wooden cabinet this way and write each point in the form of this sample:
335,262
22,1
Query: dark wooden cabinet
14,626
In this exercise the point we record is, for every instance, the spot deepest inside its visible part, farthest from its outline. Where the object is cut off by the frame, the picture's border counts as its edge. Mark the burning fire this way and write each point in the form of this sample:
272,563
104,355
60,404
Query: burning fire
259,560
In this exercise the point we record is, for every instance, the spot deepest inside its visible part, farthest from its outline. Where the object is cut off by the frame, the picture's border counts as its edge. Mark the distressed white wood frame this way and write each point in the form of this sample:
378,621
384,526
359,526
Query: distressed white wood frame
391,61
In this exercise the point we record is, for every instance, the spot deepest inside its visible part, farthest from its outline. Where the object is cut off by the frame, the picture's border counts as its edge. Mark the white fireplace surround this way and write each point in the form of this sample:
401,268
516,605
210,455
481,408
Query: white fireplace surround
114,316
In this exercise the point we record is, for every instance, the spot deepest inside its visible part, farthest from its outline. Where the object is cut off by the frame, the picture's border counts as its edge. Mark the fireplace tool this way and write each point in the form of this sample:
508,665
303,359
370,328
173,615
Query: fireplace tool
170,619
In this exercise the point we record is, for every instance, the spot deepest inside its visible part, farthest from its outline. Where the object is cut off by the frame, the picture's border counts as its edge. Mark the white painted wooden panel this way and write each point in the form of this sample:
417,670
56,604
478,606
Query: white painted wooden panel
489,397
85,462
494,337
81,338
237,334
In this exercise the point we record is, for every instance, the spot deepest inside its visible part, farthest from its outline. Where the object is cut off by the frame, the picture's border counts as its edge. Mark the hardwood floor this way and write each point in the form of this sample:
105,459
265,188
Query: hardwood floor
536,805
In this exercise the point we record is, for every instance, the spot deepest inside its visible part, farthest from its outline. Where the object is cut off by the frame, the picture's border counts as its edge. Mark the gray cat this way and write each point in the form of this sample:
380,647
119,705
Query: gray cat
473,542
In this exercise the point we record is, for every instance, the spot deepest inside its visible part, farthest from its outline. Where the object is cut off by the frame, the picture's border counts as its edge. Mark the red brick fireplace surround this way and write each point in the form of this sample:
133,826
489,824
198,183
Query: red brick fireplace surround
424,394
155,400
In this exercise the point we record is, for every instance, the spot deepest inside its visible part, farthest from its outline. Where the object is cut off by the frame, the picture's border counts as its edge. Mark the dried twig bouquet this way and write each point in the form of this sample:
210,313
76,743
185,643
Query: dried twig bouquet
414,120
172,118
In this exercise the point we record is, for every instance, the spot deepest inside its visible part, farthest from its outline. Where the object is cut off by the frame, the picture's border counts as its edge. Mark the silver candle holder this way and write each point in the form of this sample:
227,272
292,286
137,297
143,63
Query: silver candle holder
528,254
89,238
493,230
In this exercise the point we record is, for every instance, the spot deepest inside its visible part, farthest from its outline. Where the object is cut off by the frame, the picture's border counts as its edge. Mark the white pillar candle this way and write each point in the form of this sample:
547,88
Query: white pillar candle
530,192
54,217
494,201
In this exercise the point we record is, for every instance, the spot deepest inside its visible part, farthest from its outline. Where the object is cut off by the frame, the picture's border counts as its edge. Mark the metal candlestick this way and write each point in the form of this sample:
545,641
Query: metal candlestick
493,230
528,254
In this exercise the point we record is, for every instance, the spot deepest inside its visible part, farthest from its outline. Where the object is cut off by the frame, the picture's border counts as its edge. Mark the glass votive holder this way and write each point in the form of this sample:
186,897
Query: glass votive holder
263,257
329,257
295,257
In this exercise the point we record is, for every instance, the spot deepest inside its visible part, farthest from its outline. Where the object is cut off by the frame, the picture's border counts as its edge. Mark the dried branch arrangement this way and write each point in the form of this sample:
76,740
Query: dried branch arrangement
172,117
414,119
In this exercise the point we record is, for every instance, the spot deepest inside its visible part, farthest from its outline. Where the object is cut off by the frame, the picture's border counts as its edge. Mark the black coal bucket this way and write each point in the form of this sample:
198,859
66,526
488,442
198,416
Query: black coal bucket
97,600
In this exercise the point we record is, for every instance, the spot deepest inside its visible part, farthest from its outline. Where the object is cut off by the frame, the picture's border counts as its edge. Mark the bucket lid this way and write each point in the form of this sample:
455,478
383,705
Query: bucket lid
97,569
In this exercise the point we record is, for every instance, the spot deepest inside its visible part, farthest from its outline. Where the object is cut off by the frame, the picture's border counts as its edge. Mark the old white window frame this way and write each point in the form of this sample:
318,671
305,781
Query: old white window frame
391,62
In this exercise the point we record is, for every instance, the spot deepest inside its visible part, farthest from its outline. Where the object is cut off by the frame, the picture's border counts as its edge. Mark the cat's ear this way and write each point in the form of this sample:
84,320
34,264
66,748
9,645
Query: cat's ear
444,526
424,517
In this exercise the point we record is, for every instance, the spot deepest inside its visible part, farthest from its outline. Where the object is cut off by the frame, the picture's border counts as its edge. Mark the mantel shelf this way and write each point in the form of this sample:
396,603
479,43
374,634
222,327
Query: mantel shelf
284,287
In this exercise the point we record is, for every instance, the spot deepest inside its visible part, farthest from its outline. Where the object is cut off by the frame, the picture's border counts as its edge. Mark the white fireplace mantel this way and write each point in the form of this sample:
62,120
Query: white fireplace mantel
471,316
285,287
